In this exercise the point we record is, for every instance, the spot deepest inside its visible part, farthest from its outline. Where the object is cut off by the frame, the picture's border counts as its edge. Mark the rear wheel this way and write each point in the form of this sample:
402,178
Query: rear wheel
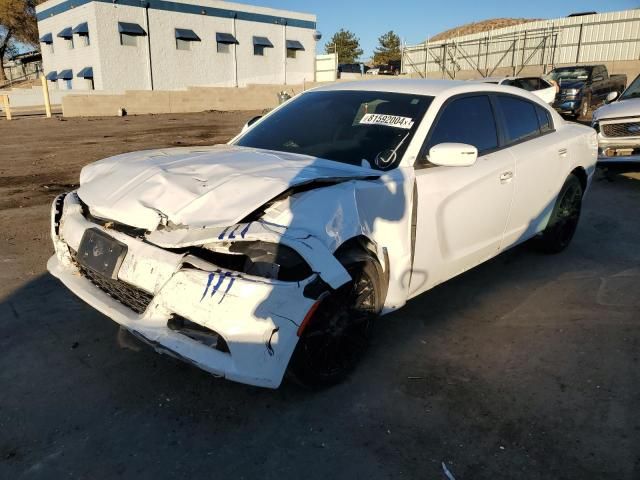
338,334
564,218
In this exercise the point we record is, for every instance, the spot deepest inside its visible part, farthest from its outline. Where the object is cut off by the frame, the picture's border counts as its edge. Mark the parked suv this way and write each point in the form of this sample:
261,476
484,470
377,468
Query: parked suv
583,86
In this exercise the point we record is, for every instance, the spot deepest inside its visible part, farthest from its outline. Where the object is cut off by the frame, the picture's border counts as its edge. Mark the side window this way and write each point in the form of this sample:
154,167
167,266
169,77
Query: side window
544,119
467,120
521,119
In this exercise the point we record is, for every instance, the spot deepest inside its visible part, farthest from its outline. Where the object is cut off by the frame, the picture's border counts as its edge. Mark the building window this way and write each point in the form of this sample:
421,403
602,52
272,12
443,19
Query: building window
67,35
82,30
260,44
292,48
129,33
68,84
47,39
184,38
128,40
224,42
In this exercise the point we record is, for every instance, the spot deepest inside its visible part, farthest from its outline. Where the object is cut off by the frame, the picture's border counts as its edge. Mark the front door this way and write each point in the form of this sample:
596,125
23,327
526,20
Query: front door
461,212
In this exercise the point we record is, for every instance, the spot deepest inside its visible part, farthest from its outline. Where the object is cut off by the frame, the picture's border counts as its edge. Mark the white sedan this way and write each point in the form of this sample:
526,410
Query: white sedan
275,252
538,86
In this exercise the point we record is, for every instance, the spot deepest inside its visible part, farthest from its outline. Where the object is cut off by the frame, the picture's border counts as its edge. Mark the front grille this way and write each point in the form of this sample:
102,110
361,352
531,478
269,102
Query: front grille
136,299
628,129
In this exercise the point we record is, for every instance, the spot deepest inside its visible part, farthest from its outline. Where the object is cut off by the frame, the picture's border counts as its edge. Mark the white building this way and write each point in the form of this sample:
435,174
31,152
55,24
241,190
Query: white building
118,45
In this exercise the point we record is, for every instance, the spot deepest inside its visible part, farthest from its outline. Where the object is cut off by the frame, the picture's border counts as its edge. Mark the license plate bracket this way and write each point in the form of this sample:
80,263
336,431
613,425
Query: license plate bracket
101,253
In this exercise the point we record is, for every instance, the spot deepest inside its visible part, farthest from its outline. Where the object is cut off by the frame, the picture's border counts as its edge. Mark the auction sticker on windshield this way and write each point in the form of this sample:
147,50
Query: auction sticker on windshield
387,120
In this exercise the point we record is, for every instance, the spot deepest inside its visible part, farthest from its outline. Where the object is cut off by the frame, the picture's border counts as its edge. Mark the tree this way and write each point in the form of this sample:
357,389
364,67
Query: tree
388,50
345,44
17,24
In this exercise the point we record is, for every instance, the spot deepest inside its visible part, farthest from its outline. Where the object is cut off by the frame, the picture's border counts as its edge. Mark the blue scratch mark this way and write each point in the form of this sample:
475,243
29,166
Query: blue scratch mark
224,232
217,285
228,288
209,280
245,230
232,235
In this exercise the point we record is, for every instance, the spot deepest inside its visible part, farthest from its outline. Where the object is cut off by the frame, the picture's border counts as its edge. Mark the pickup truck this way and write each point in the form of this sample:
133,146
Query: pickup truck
583,86
618,126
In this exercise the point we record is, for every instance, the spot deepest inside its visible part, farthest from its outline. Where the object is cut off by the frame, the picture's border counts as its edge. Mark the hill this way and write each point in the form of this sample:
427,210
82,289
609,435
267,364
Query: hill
477,27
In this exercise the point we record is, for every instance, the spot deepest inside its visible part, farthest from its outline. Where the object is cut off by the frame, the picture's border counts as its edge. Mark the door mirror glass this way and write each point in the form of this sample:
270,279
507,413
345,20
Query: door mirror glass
250,122
453,155
612,96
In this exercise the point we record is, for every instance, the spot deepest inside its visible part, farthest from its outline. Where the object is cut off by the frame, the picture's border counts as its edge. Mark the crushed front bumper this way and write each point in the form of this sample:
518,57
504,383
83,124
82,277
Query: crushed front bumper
257,318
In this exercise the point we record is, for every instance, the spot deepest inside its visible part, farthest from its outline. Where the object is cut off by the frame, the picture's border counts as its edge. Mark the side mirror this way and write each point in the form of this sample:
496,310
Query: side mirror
612,96
453,155
250,122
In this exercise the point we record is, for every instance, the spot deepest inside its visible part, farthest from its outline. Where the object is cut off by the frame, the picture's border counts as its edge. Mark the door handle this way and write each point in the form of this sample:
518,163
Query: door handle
562,152
506,177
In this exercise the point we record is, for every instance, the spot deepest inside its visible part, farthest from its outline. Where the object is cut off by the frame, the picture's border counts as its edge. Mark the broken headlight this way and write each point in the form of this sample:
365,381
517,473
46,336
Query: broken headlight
271,260
262,259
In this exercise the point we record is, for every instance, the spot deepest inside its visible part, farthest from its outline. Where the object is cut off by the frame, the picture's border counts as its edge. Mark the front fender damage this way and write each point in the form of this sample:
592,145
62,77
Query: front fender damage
314,251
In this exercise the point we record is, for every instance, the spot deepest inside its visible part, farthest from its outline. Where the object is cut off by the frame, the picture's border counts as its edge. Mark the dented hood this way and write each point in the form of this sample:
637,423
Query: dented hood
198,187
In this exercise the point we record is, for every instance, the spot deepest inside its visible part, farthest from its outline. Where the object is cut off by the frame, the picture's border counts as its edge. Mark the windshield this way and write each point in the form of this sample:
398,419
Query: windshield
633,91
570,73
344,126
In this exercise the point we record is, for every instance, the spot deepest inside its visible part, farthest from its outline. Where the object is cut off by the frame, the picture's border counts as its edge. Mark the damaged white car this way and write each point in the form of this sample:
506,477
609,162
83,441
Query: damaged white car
275,252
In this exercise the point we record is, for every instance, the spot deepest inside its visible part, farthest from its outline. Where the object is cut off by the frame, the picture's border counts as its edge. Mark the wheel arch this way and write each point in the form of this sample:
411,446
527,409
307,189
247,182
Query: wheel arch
581,173
360,248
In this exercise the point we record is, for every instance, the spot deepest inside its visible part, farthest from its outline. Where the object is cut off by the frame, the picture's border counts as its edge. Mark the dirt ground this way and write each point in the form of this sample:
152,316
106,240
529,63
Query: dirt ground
526,367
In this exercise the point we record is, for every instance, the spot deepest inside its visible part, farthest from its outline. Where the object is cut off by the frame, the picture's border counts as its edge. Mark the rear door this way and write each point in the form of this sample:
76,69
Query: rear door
540,154
461,211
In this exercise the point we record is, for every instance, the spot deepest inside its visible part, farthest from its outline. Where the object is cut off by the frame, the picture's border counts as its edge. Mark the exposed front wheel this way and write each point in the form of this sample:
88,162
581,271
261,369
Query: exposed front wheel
338,333
564,218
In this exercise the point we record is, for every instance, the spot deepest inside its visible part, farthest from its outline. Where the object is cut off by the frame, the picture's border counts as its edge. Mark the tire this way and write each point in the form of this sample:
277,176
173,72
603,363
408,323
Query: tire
585,107
338,335
564,218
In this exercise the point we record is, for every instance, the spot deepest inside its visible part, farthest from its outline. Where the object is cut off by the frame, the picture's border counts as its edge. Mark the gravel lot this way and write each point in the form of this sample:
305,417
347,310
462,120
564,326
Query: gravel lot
526,367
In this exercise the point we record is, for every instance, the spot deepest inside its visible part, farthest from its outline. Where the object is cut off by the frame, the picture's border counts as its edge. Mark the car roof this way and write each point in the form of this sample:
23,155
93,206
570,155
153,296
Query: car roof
432,88
415,86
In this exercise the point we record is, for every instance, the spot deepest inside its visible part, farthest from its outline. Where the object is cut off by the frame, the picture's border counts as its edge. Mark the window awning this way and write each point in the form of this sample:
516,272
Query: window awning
82,29
86,72
52,76
225,38
294,45
131,28
46,38
66,33
262,41
185,34
65,75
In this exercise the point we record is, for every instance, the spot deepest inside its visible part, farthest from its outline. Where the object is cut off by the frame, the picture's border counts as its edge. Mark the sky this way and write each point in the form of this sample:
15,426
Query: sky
415,20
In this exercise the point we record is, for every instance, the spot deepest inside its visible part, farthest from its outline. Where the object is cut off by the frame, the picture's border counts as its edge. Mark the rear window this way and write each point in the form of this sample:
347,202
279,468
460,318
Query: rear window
521,118
544,119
